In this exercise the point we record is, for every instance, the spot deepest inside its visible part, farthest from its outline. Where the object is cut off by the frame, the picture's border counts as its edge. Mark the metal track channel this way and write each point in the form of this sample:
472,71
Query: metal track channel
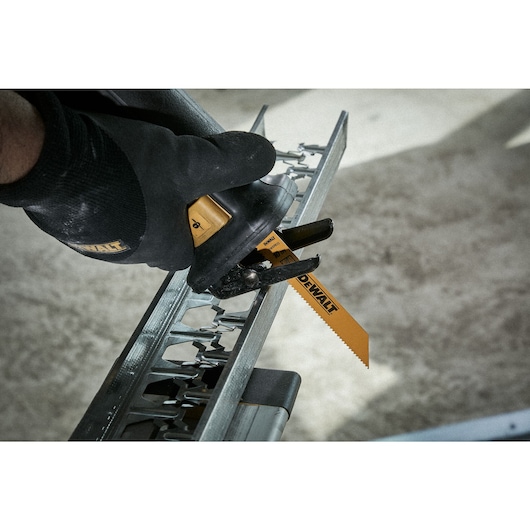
148,395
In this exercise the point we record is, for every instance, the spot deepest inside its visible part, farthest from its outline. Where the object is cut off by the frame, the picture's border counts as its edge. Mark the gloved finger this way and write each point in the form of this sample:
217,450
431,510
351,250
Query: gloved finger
223,161
190,165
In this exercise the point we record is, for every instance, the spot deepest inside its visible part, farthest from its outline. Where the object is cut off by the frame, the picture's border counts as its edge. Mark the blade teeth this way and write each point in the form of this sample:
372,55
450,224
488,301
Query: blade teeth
329,327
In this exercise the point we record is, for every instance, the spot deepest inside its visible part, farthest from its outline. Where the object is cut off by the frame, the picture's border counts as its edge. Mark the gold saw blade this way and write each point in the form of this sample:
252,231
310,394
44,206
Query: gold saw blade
314,293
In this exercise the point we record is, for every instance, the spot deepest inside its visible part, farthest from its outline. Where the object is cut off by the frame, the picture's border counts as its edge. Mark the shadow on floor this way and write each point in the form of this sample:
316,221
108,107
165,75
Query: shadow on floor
437,245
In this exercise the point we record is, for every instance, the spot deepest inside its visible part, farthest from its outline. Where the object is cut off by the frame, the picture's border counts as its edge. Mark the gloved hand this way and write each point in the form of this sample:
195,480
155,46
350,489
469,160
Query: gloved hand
118,189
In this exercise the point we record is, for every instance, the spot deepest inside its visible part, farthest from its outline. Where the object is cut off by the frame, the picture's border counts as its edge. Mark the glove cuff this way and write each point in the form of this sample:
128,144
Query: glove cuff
82,190
32,188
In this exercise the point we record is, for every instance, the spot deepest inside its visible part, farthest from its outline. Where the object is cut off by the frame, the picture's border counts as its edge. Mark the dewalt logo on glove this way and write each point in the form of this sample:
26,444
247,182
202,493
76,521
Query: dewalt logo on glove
113,247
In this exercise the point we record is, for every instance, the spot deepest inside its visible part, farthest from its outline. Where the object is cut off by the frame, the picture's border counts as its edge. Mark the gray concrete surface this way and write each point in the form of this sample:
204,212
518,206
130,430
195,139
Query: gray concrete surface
430,254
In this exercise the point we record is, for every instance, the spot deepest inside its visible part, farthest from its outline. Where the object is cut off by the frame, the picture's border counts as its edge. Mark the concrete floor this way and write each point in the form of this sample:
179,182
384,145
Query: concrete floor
430,254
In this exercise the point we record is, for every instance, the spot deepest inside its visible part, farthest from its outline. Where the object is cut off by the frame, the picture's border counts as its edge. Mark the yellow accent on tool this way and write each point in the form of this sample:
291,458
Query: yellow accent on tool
207,217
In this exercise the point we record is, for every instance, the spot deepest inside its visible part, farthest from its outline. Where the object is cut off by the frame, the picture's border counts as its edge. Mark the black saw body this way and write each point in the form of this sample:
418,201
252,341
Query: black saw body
227,264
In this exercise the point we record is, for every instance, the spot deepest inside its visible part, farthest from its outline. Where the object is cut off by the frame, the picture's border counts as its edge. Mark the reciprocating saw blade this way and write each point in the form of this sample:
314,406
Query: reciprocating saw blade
317,296
207,217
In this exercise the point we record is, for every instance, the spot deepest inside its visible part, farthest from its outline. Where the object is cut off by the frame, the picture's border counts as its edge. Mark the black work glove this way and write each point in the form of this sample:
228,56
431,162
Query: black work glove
118,189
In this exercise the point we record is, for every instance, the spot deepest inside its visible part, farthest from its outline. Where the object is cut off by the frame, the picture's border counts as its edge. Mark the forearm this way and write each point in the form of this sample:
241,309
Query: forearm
21,136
